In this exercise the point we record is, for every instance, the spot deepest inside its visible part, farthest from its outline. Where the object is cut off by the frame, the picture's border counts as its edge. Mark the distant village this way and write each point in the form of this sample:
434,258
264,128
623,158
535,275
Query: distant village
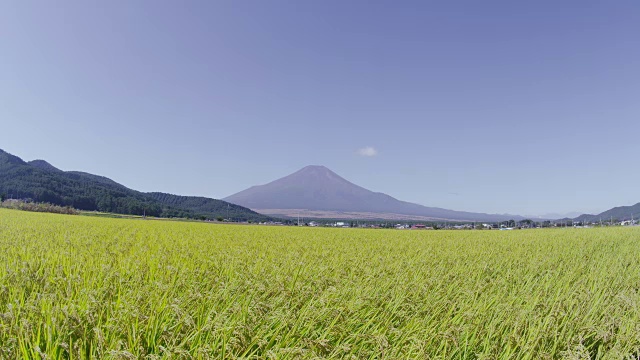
454,225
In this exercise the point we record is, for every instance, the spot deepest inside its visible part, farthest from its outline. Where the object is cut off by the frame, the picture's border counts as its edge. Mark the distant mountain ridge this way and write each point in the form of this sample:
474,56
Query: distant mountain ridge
616,213
43,182
553,216
312,186
316,188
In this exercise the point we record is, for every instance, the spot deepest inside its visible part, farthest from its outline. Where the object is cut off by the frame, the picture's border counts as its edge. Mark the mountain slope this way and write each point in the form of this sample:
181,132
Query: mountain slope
617,213
41,164
42,182
202,206
317,188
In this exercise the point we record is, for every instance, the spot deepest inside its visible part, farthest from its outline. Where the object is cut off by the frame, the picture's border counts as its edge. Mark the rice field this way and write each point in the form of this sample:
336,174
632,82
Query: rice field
75,287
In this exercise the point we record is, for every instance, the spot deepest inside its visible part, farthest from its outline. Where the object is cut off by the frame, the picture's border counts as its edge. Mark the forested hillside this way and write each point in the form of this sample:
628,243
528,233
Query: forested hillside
617,213
201,205
42,182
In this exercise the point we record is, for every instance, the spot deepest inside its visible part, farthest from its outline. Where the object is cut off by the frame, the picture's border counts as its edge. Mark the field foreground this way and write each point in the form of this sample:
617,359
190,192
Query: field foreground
79,287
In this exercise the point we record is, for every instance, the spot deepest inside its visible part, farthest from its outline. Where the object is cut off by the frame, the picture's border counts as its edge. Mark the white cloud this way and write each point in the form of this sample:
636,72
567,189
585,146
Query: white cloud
368,151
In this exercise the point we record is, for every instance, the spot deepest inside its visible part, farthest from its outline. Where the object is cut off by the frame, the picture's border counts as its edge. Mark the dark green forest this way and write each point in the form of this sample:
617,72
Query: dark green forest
39,181
201,206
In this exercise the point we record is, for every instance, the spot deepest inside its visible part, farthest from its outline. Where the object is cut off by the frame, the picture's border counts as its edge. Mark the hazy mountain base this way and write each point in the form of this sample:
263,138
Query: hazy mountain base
322,214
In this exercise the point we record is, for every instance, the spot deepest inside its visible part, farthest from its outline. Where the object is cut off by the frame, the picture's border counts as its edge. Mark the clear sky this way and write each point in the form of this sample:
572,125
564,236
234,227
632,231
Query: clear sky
526,107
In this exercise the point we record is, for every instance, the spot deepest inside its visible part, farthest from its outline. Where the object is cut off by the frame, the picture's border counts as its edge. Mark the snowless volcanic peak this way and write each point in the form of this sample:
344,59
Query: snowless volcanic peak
317,188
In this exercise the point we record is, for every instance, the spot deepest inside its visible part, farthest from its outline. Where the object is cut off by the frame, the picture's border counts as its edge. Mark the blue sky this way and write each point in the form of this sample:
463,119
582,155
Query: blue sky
492,106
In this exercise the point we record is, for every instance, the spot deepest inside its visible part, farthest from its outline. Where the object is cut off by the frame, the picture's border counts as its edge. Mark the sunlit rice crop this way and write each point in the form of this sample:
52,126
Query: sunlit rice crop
74,287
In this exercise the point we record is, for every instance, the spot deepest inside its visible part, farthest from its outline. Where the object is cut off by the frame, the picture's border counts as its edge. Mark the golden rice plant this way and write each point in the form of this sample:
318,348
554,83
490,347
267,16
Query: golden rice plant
76,287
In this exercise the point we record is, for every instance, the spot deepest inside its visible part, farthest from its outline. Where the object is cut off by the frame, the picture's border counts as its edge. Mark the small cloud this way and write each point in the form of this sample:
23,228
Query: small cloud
368,151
